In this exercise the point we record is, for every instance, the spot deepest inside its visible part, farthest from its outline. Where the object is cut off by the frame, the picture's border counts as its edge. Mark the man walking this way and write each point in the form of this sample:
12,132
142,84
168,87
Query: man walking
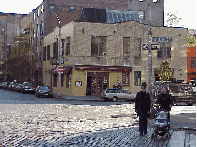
142,108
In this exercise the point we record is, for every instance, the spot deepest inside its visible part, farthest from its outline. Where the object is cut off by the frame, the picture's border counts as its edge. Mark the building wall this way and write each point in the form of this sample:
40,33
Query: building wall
191,52
81,48
157,11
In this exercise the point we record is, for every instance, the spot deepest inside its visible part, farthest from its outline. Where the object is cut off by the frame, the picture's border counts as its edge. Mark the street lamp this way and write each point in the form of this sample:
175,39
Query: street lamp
50,9
150,59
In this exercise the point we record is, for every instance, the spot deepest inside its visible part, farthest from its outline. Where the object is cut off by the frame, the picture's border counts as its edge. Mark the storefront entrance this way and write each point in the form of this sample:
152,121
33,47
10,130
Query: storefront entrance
96,82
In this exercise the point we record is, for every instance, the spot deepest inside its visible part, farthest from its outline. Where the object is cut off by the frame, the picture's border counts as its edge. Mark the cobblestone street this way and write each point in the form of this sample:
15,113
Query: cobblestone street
77,125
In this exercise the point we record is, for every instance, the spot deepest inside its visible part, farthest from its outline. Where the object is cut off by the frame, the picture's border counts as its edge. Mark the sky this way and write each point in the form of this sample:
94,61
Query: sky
185,9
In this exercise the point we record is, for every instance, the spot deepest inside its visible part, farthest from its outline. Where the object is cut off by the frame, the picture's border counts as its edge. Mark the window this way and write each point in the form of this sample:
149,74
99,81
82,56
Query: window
68,46
137,50
38,12
98,46
42,8
2,31
193,62
3,22
141,15
51,8
156,1
48,52
44,56
137,78
164,52
71,9
63,41
62,80
34,16
126,46
67,80
125,79
55,49
55,80
41,28
38,32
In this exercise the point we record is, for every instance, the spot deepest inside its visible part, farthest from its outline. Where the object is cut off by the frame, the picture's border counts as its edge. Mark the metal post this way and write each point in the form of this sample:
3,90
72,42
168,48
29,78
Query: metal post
60,55
150,58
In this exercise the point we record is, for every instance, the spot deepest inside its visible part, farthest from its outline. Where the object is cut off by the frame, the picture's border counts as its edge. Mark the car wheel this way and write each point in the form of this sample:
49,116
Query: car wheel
114,99
38,96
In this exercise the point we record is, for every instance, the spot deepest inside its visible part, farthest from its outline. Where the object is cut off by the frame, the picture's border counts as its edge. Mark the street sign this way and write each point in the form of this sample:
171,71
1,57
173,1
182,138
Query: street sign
60,69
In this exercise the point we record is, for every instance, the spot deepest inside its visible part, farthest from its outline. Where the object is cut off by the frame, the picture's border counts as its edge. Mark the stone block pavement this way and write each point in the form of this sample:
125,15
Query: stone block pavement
69,125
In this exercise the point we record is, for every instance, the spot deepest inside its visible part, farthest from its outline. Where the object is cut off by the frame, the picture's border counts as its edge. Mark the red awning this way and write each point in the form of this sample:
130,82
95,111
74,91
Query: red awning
66,69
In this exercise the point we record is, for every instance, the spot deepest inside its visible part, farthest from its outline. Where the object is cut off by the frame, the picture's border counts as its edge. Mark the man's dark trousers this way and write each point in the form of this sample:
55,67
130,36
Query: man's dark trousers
142,122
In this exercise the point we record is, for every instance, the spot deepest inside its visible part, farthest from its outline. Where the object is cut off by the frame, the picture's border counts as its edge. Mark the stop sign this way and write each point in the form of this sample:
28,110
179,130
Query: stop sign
60,69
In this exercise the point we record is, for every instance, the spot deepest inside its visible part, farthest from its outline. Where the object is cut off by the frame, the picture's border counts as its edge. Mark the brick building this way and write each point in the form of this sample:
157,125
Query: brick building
42,20
191,65
10,27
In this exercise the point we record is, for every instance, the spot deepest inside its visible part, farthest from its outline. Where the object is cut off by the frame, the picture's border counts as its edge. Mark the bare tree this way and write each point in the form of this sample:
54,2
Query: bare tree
172,19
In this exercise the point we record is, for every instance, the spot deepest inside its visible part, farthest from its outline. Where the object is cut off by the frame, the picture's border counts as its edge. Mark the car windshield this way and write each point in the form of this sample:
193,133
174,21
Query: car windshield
44,88
28,84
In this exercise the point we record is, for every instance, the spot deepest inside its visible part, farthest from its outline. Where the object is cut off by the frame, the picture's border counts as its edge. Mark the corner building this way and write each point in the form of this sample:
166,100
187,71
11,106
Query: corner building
98,55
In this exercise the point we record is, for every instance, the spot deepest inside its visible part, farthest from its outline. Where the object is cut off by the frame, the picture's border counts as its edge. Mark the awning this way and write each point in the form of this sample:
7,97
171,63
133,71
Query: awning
103,68
66,70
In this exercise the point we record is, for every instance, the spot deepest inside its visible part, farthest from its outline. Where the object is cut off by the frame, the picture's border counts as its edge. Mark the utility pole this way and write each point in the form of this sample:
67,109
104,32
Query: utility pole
150,57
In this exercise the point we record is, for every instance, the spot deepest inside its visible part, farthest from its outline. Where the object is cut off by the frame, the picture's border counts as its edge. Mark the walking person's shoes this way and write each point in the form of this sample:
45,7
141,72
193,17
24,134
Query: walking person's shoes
141,133
145,132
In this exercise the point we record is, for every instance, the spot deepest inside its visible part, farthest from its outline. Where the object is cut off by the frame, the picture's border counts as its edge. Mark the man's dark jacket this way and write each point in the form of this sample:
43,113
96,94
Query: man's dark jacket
142,102
164,100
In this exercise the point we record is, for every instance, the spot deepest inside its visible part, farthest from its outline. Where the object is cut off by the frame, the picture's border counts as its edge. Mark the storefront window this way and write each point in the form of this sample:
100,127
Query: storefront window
137,78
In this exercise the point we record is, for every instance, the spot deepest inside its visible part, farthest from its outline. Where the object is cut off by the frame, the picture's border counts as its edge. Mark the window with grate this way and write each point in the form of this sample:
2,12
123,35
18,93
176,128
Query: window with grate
48,52
125,79
98,45
126,46
44,56
137,78
193,62
55,80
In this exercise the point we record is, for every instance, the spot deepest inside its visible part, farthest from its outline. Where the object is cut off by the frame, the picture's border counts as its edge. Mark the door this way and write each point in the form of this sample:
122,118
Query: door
99,82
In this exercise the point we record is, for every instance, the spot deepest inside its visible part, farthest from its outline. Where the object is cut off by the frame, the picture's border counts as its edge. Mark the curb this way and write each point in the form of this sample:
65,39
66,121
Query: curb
184,129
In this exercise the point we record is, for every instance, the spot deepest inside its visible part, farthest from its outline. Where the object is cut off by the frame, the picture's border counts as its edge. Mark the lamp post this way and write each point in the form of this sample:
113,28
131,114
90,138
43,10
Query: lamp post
59,93
150,59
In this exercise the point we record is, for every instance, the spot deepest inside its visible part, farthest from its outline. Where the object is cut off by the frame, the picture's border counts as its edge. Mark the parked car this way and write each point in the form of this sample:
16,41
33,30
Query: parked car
19,87
5,85
117,94
15,86
1,84
27,88
43,91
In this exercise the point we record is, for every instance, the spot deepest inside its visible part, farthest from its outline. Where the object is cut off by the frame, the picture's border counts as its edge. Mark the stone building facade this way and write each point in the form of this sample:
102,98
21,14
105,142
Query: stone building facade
98,55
